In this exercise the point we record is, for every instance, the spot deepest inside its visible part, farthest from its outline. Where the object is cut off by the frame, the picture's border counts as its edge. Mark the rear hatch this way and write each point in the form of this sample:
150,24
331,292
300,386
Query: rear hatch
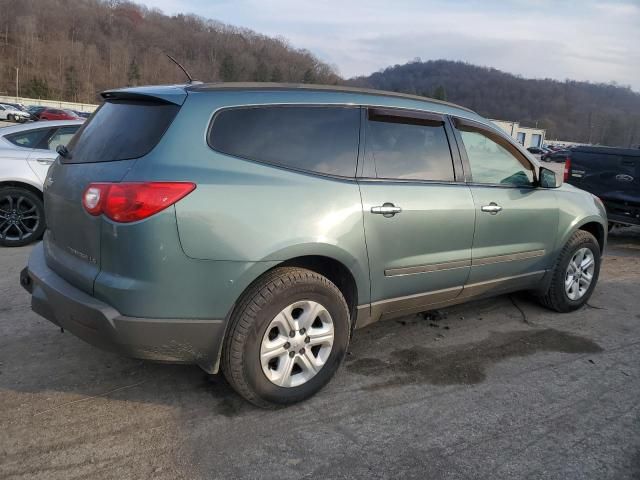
128,125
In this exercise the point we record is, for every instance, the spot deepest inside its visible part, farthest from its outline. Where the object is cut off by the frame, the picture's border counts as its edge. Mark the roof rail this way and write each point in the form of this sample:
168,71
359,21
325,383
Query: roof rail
313,87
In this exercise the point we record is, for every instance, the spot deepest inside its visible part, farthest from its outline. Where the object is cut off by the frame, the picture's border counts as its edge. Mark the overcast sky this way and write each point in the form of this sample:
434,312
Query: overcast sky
598,41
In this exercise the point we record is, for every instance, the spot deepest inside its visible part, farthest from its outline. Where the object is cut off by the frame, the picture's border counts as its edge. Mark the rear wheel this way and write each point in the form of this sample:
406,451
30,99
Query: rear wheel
287,337
21,217
575,274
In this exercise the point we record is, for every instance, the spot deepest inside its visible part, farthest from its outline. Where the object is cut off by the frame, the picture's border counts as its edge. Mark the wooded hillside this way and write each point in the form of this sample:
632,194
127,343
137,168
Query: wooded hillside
72,49
577,111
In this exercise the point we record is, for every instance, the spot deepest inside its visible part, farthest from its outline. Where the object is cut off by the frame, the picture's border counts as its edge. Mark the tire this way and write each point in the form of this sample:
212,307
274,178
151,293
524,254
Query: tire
558,297
252,327
10,118
21,217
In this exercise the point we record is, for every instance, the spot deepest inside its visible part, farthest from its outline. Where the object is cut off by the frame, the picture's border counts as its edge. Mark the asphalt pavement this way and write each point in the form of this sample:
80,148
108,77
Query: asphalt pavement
496,389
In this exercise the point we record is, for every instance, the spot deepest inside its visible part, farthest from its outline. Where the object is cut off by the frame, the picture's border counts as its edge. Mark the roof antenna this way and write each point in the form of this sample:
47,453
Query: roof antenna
181,67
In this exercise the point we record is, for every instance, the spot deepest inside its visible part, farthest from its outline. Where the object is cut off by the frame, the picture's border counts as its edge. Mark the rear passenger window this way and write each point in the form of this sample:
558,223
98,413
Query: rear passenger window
409,149
315,139
28,139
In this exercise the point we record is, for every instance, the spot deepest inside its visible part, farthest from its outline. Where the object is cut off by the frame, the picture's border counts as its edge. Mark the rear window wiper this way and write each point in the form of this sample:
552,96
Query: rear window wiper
63,152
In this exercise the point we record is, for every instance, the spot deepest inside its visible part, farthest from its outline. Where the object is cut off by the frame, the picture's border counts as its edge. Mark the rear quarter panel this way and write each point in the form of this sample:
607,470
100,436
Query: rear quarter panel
14,167
243,211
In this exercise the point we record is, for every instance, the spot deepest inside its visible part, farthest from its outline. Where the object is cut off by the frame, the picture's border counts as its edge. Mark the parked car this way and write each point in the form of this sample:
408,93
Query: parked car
537,152
26,151
17,106
613,174
82,114
35,111
559,156
12,114
250,228
57,114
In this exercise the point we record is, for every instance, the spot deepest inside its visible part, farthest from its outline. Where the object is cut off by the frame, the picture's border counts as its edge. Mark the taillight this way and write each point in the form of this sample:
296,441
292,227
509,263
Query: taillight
132,201
567,167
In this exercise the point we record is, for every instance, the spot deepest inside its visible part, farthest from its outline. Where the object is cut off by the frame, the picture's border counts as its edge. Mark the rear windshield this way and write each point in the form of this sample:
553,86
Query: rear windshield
121,130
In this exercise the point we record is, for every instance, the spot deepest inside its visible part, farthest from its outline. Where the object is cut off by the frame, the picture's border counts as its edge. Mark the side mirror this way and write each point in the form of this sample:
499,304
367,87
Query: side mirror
548,178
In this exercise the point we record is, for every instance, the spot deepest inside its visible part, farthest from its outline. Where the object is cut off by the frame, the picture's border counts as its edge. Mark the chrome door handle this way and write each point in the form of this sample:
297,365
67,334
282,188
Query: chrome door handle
387,209
44,161
493,208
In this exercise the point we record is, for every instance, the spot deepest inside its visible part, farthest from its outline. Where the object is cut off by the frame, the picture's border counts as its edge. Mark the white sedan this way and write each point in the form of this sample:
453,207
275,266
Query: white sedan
26,151
12,114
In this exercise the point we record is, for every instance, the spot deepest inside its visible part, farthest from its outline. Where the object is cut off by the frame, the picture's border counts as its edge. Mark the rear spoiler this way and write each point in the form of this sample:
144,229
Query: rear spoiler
172,94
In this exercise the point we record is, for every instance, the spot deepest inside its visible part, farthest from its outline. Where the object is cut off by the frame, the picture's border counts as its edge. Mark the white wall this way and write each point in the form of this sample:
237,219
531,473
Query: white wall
81,107
514,128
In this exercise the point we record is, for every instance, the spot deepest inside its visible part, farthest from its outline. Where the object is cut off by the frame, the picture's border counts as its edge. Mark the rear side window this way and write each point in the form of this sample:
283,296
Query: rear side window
316,139
28,139
121,130
409,150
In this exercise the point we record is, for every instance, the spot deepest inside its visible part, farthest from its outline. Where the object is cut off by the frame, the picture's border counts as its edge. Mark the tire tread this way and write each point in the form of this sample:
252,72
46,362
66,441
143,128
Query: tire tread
552,298
257,296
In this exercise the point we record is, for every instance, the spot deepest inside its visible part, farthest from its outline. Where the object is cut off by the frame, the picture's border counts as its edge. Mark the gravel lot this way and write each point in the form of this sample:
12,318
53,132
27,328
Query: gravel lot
494,389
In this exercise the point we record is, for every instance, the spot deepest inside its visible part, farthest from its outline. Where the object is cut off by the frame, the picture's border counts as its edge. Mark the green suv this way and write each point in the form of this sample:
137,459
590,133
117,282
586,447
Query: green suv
250,228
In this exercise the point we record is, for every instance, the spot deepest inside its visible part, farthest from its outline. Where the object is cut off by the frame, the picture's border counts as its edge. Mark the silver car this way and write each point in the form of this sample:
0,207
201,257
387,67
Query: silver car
12,114
26,151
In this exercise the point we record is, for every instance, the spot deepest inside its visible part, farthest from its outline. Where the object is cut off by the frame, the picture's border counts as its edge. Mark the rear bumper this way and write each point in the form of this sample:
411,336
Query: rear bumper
195,341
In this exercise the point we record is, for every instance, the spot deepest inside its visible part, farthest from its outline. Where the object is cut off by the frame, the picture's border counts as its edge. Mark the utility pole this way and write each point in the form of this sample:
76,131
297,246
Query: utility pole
17,84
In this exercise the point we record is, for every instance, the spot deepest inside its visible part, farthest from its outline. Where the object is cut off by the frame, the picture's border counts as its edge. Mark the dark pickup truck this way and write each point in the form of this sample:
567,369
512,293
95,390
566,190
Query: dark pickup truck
613,174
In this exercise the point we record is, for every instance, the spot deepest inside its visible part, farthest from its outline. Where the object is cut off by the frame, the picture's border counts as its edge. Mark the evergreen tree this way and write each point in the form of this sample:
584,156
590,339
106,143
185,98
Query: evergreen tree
71,87
36,88
309,76
440,93
228,69
133,76
276,74
262,72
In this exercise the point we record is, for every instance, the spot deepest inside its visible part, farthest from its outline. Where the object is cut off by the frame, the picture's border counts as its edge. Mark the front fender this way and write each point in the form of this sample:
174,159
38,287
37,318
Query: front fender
577,209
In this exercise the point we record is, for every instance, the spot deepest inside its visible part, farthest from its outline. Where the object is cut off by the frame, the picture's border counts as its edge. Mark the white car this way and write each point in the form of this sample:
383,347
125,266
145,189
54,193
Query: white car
26,151
12,114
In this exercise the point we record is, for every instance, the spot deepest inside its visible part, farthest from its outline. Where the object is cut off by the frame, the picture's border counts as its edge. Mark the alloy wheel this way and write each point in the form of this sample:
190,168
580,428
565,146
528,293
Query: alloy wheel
579,274
297,344
19,217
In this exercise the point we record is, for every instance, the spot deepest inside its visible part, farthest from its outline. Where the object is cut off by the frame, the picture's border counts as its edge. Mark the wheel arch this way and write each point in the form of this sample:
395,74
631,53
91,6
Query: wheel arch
335,269
597,230
22,184
594,224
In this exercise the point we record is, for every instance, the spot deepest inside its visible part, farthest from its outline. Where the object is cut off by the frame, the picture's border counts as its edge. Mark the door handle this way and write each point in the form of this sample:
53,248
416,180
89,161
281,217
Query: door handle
493,208
387,209
44,161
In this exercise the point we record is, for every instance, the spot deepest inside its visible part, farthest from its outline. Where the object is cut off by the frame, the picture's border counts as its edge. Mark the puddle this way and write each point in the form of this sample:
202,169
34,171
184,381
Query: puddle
466,364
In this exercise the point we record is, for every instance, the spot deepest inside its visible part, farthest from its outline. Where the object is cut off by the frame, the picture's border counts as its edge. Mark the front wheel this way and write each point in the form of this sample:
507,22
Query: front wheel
575,274
286,338
21,217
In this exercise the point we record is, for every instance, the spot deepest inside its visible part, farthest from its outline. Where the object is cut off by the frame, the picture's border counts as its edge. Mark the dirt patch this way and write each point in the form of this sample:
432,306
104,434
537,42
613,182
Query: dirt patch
466,364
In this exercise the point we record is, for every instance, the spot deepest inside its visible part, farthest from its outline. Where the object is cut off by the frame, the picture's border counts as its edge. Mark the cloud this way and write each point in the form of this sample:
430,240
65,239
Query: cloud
583,40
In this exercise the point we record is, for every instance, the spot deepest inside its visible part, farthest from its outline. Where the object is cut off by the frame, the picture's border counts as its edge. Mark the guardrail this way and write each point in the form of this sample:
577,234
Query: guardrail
81,107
